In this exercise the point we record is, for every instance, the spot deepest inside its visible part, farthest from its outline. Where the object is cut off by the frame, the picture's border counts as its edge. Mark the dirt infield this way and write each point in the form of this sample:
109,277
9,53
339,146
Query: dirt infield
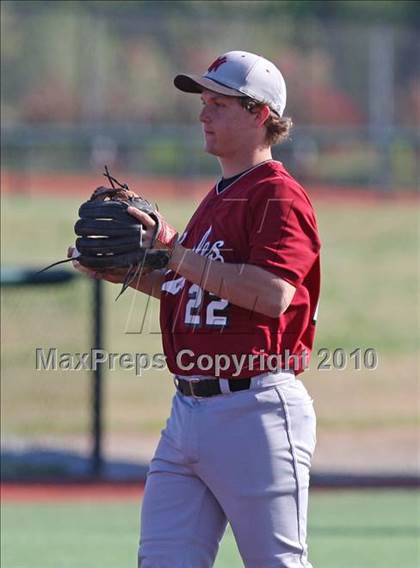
81,184
65,492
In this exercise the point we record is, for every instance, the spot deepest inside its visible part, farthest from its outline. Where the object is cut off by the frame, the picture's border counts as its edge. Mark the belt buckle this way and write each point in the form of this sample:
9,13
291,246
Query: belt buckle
191,383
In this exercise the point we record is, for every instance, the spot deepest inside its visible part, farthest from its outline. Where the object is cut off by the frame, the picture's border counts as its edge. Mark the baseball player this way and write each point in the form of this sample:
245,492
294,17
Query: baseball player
238,306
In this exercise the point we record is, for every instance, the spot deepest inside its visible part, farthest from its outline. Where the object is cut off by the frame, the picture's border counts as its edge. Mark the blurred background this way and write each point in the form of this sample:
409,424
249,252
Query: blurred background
85,82
90,83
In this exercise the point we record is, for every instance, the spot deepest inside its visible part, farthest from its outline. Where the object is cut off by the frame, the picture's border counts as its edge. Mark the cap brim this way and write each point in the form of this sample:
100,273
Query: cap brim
196,84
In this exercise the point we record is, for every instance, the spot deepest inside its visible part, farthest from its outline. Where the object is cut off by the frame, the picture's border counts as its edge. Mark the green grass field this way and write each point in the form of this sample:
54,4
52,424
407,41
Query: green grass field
369,299
352,529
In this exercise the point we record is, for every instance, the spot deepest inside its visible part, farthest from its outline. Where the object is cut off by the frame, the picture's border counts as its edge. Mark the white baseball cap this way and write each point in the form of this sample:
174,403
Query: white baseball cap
239,73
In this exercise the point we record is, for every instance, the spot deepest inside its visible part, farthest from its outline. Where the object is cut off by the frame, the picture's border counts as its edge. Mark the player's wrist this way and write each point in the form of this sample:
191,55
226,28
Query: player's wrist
177,257
167,236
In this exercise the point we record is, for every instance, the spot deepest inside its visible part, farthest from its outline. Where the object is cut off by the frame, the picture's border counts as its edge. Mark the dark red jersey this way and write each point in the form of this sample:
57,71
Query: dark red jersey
263,218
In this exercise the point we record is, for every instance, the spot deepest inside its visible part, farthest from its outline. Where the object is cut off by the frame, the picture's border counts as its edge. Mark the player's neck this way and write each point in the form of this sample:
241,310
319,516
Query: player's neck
232,165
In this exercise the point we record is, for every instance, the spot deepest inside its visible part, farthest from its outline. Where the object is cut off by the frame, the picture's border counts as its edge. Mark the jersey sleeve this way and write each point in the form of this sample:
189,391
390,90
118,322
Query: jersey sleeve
283,232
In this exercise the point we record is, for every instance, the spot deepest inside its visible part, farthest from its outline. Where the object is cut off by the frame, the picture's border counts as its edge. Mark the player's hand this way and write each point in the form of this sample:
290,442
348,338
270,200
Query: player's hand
72,253
162,237
148,229
111,276
115,276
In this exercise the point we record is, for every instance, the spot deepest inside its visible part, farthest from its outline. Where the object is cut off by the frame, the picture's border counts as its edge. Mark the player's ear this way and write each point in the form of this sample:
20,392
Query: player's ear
262,114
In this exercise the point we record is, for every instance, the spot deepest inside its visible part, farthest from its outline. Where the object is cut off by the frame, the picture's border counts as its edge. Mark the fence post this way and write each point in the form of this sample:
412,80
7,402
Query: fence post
97,380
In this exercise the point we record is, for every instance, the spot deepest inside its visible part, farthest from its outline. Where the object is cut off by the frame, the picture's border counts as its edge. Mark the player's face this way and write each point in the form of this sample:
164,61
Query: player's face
228,128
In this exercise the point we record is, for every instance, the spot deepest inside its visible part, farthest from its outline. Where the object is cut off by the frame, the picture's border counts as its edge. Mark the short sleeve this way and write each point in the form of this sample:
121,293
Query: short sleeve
283,232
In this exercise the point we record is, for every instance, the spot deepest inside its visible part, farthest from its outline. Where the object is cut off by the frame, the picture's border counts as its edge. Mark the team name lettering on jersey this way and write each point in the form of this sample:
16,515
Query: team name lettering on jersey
203,248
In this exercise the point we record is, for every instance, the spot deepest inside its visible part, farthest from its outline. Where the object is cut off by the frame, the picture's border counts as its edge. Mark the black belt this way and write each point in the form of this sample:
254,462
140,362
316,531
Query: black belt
209,387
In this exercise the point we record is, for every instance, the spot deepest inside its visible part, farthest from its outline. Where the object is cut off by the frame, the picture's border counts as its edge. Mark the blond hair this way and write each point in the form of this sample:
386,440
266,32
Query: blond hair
277,127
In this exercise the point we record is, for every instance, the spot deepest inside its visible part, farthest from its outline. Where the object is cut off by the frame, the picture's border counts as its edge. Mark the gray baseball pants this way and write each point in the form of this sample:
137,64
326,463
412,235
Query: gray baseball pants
242,458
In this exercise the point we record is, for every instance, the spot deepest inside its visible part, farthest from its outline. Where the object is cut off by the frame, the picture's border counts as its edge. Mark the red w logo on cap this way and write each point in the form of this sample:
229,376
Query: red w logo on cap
216,64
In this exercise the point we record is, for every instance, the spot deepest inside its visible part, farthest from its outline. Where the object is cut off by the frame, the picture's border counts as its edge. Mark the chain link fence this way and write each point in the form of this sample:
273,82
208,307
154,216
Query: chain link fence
89,81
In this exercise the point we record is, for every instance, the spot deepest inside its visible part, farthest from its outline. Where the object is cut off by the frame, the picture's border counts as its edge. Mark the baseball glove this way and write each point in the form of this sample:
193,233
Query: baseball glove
109,238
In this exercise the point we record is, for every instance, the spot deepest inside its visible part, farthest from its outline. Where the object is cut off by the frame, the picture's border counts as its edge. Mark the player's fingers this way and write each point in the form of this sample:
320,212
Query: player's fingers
115,275
72,252
84,270
144,218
